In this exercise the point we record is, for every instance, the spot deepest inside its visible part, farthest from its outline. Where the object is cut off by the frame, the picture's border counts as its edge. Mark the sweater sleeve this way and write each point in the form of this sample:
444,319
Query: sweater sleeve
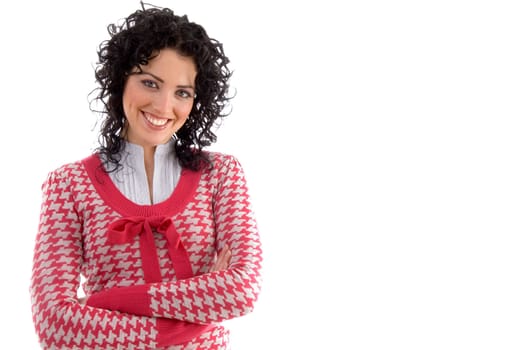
60,321
211,297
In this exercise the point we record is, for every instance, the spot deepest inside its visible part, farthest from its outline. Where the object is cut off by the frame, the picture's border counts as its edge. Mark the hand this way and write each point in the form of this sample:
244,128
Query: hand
223,259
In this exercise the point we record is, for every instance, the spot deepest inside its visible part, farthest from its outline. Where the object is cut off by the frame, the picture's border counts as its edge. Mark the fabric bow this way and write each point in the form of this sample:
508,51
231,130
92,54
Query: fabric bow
125,230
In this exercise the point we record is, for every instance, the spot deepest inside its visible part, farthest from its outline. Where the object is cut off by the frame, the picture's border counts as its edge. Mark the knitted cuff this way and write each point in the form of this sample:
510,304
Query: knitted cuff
132,300
176,332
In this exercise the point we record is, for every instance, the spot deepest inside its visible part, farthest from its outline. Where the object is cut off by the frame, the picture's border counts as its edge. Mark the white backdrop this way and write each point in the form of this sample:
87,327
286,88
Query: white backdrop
383,142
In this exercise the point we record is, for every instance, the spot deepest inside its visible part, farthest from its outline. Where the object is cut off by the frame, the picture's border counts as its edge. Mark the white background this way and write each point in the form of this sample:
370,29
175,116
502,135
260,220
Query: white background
383,141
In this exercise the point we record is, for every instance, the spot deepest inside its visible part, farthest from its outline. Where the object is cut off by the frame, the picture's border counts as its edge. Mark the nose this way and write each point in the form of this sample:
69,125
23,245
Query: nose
163,104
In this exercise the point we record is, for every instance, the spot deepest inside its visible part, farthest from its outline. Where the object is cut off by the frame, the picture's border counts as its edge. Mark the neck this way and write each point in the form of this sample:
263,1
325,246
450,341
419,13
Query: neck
149,154
149,164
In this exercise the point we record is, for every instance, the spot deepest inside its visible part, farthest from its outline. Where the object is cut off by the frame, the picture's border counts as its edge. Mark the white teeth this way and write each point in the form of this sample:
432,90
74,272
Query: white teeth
156,121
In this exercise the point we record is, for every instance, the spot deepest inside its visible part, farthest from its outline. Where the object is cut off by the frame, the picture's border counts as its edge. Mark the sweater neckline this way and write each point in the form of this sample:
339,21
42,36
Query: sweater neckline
109,192
131,179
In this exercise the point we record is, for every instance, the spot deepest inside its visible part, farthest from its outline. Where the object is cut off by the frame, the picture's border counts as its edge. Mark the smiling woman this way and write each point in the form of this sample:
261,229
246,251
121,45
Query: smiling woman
157,99
384,143
160,230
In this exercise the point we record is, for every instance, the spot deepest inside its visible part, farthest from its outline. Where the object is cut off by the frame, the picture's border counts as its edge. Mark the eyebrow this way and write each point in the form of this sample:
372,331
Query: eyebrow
162,81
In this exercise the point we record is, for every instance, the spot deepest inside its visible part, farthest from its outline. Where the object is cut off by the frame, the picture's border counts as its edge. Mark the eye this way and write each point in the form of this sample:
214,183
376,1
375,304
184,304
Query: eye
149,83
184,94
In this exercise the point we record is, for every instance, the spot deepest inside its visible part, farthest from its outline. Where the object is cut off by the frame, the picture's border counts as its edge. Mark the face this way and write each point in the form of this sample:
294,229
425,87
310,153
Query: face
158,100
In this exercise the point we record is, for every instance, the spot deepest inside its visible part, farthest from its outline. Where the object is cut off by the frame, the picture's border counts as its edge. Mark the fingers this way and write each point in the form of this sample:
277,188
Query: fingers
223,259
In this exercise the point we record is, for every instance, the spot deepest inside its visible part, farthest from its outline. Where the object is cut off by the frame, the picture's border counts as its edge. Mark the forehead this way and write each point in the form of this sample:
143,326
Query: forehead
169,61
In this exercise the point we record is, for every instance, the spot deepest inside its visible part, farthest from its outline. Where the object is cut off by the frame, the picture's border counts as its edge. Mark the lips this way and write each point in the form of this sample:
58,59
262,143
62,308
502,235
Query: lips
155,121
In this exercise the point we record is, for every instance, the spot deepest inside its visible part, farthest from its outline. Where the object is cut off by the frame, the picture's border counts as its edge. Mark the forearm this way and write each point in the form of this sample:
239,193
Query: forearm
205,299
65,324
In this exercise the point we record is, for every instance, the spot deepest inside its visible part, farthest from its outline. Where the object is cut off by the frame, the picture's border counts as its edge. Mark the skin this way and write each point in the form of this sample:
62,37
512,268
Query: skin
223,259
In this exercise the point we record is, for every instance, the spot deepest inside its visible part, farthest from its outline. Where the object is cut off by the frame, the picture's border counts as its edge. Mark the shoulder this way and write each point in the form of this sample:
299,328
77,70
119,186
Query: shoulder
226,176
67,172
224,170
222,161
218,158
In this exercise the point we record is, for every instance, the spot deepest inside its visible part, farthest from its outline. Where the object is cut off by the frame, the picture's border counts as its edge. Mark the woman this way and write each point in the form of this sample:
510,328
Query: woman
161,229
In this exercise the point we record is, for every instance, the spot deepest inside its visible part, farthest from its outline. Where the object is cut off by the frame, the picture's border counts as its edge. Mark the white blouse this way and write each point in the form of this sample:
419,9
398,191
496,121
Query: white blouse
131,178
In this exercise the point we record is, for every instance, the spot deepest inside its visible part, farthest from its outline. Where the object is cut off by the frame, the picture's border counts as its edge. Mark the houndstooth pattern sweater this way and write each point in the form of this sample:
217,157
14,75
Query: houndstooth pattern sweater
145,266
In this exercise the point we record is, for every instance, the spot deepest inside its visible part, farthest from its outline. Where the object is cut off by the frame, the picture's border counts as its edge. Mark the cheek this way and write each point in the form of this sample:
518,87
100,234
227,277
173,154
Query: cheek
132,99
126,108
182,112
187,108
127,101
180,122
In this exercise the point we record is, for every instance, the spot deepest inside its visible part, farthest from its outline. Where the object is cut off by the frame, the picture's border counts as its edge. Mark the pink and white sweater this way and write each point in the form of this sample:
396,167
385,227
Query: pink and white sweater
146,267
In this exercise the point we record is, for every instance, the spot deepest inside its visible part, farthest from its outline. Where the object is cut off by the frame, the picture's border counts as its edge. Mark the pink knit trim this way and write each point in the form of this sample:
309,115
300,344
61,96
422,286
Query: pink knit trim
181,195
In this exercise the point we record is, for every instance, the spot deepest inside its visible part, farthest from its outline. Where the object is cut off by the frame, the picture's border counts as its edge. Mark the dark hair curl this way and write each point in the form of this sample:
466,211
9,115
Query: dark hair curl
136,40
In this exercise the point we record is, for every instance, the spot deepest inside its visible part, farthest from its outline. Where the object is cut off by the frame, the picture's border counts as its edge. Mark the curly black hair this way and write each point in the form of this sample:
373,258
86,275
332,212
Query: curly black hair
136,40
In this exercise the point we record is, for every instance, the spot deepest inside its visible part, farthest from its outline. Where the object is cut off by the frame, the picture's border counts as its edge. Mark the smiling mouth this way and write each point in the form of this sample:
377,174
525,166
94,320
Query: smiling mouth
154,120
